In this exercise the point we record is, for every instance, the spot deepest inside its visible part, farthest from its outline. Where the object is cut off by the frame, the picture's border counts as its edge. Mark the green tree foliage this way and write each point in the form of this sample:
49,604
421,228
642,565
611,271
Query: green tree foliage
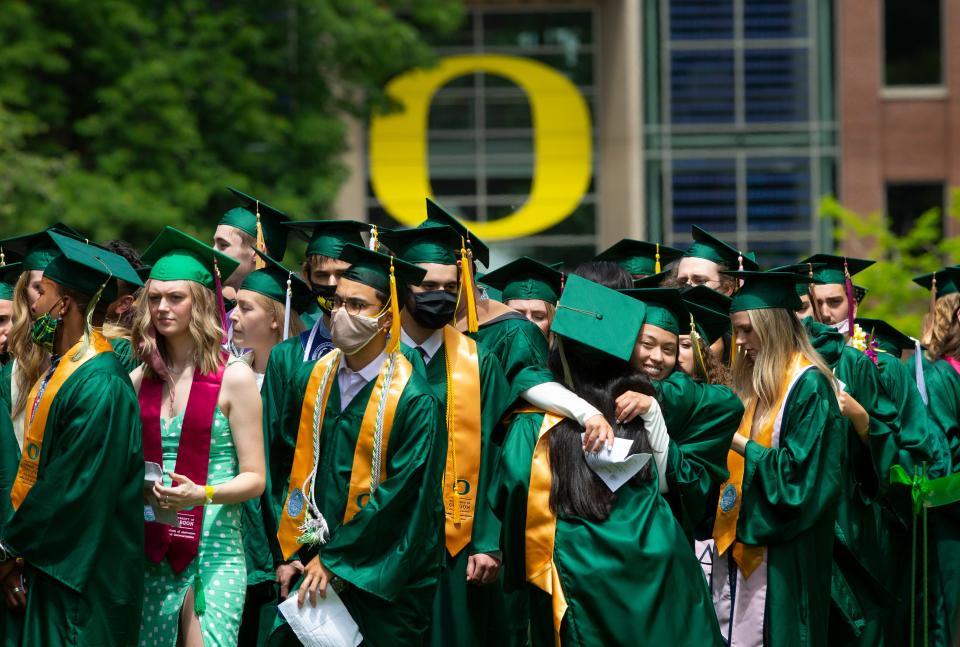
121,116
893,296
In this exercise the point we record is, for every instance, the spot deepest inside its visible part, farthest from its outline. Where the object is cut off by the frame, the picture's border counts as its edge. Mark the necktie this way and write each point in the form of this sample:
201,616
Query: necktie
423,353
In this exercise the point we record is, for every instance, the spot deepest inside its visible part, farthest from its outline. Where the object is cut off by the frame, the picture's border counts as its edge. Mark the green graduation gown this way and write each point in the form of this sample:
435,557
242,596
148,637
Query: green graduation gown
10,622
629,579
83,518
463,613
390,553
123,351
701,420
521,349
789,496
863,597
943,390
6,374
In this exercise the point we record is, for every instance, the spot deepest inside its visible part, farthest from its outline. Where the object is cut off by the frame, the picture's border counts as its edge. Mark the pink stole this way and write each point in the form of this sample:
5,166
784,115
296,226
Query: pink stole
954,362
180,545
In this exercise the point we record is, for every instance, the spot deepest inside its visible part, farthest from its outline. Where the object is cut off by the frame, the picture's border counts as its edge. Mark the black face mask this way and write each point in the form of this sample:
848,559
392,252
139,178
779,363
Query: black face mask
434,309
324,296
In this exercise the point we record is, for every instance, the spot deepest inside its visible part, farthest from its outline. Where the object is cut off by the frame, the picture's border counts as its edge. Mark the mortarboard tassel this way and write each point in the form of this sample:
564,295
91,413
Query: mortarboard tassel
466,286
851,298
218,290
286,307
3,259
394,342
374,243
918,367
696,344
933,293
656,262
258,262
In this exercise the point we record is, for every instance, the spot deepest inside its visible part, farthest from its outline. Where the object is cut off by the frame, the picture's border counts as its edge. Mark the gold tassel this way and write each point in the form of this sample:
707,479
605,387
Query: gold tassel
933,294
466,286
695,338
394,342
656,264
259,263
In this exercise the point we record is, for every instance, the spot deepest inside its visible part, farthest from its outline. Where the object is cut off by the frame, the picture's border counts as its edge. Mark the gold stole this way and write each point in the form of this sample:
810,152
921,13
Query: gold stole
36,424
748,558
462,473
541,526
361,474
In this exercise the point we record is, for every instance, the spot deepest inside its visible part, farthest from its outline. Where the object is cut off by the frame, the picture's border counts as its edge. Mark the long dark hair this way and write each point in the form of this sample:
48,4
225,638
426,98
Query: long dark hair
576,491
605,273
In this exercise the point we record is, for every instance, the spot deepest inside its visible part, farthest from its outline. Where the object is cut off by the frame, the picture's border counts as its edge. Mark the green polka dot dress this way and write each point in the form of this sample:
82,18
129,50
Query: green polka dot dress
219,566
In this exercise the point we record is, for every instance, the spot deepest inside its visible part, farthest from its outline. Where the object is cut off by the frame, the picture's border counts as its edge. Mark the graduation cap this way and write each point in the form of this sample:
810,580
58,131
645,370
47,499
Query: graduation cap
37,249
9,273
278,283
383,273
599,317
437,215
87,268
836,269
526,278
638,257
710,311
258,219
665,308
652,280
888,338
176,256
944,281
803,269
491,292
431,244
763,290
711,248
328,237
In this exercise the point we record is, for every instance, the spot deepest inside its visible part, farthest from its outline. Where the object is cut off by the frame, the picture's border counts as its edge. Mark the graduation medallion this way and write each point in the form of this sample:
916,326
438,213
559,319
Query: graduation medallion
295,504
728,498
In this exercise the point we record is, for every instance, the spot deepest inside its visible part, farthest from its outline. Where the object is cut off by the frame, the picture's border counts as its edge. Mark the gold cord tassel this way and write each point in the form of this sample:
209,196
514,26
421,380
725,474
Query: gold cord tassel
656,264
394,342
259,263
466,286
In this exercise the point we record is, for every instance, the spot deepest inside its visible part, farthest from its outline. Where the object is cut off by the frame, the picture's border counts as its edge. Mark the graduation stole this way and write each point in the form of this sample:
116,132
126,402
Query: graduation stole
461,475
541,526
748,558
180,545
952,361
36,423
369,467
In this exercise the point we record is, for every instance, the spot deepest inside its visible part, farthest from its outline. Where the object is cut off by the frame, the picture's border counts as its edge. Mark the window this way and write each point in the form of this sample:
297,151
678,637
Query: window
480,138
913,48
907,202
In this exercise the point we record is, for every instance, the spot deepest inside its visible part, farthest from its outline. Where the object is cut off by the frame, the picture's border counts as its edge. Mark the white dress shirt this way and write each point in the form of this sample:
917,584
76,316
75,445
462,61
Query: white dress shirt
430,345
351,382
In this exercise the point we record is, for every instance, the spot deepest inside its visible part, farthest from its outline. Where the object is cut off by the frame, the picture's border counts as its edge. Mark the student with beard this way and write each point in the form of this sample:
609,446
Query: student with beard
468,608
601,566
773,532
363,509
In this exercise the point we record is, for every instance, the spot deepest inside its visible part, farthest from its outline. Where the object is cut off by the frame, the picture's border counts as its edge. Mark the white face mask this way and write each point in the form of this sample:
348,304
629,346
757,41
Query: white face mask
842,326
351,333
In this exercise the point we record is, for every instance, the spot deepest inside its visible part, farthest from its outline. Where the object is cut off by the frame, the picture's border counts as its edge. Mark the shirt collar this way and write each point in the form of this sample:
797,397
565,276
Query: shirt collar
368,372
431,344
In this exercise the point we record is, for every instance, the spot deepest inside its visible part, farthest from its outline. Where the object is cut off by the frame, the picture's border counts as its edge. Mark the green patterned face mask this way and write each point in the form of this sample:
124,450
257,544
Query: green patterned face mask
44,329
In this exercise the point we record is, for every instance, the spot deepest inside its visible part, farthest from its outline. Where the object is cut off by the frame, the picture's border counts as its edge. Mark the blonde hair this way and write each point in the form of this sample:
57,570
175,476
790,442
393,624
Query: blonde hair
205,330
277,311
781,335
941,330
32,360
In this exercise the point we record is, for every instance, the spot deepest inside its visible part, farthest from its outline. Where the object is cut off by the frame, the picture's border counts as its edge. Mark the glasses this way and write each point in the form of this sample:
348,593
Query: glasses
693,281
352,306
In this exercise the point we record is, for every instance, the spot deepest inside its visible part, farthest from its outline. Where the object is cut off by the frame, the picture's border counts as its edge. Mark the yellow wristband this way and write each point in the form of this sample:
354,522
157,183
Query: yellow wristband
209,492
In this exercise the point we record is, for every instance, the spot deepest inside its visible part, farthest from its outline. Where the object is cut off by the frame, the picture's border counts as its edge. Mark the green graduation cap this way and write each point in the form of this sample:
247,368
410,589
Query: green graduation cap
947,280
9,273
665,308
437,215
888,338
526,278
271,281
763,290
710,310
87,268
599,317
803,269
430,244
373,269
831,268
638,257
37,249
652,280
329,237
708,246
176,256
270,219
491,292
859,293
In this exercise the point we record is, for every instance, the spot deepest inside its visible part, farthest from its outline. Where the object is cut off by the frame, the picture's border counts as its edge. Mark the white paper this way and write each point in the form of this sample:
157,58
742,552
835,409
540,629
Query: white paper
613,466
152,473
328,624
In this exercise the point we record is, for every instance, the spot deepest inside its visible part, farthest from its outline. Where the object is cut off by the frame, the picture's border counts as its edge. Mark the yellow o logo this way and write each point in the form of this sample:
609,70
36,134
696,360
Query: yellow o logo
562,144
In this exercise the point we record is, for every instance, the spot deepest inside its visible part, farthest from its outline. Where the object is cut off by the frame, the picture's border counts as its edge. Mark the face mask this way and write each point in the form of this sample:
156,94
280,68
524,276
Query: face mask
351,333
434,309
842,326
43,332
324,296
